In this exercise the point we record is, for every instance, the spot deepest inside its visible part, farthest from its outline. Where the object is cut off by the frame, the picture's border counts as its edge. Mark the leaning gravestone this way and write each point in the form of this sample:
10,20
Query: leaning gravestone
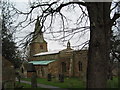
34,80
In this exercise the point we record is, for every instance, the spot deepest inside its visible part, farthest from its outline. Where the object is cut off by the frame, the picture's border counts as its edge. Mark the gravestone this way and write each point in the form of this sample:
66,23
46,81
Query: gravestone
32,71
34,80
49,77
18,76
61,77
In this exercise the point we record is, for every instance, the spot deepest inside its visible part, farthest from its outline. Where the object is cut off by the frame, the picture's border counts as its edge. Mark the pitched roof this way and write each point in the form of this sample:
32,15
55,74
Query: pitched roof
45,62
46,53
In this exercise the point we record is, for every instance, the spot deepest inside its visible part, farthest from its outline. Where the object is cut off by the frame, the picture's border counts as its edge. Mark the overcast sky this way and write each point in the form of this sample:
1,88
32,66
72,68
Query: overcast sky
52,45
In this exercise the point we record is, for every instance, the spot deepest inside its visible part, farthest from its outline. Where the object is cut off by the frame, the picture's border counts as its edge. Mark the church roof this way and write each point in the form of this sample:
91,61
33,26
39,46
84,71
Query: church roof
45,62
47,53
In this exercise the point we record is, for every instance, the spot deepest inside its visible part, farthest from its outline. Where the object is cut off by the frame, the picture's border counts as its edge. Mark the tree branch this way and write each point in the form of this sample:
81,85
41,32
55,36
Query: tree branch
62,5
116,16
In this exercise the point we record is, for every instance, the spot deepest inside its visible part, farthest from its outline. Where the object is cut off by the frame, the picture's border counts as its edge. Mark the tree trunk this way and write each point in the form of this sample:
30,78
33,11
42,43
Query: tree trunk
98,54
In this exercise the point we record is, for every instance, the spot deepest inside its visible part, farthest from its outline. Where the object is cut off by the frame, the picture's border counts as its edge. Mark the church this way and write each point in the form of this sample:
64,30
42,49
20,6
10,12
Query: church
69,62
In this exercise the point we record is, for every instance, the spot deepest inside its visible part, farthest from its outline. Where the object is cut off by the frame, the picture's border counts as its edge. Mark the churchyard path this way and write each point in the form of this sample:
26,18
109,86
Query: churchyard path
44,86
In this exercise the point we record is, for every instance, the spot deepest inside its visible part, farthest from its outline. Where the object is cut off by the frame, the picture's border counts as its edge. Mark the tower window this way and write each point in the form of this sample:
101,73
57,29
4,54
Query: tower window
41,46
80,65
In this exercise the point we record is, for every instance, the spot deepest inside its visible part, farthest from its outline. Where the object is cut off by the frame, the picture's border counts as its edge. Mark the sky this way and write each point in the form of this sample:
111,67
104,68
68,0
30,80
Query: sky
52,45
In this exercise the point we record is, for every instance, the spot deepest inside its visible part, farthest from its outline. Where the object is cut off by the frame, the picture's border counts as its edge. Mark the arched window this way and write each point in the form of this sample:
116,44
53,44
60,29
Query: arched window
63,67
38,72
80,65
22,70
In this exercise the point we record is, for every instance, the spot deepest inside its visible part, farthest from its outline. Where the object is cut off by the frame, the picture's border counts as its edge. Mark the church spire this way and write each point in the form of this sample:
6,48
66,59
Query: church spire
68,45
38,34
38,28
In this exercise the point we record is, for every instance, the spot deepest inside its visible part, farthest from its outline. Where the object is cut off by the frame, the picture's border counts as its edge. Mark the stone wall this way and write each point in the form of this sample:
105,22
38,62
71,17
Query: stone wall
42,71
64,69
53,68
71,60
37,47
80,56
34,48
29,74
45,57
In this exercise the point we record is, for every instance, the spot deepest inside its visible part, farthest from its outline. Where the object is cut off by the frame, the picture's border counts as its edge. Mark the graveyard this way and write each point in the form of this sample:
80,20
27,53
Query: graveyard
67,83
62,44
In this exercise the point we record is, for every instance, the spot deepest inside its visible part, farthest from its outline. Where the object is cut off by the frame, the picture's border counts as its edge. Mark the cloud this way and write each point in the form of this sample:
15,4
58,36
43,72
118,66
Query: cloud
19,0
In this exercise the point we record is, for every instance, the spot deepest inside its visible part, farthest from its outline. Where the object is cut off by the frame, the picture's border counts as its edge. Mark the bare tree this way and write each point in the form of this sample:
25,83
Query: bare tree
98,13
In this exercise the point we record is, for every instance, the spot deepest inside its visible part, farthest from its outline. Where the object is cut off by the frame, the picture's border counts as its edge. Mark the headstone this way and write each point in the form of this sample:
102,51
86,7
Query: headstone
18,76
49,77
34,80
61,77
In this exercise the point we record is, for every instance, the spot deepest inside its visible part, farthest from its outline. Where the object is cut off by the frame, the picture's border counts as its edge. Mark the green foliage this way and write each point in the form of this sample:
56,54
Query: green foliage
113,83
9,49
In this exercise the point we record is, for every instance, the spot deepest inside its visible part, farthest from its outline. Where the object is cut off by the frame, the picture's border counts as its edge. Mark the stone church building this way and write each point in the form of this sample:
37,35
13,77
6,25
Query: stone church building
68,62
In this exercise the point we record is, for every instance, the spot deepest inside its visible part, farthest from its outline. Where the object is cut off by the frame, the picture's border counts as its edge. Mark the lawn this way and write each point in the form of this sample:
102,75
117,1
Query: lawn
68,82
72,82
113,83
18,85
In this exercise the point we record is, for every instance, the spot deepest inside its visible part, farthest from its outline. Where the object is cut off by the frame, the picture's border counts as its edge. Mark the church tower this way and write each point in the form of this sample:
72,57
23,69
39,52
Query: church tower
38,43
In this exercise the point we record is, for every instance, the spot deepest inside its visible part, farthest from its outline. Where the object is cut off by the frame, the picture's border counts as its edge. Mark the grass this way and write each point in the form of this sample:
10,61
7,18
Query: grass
25,86
68,82
113,83
22,84
72,82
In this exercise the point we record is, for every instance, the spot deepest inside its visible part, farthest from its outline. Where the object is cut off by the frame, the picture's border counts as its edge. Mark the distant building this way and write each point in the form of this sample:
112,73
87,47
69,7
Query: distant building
68,61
